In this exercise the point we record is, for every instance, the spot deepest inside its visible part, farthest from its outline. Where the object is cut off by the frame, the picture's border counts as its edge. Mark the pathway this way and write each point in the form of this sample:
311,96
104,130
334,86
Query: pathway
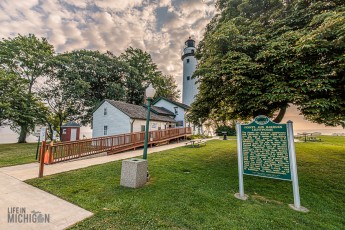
15,193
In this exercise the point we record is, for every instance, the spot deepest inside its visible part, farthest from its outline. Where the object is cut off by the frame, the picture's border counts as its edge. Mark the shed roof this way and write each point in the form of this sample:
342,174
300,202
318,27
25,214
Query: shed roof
71,124
140,112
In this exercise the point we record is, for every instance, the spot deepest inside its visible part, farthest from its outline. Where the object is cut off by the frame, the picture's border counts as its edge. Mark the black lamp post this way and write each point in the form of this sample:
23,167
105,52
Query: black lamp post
150,93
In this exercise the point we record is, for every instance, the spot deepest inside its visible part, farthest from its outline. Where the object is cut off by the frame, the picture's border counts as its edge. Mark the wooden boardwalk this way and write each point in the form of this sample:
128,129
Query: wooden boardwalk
63,151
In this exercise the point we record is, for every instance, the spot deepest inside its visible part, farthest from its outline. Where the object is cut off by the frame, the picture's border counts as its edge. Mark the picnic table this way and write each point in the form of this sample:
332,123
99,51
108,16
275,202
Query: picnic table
308,136
195,143
304,135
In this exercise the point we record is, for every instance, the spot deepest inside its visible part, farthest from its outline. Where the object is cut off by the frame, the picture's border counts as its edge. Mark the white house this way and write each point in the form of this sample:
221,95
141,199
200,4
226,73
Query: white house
117,117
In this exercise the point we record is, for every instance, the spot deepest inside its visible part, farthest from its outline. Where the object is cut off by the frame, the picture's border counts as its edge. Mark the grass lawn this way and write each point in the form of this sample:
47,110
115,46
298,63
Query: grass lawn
194,189
16,154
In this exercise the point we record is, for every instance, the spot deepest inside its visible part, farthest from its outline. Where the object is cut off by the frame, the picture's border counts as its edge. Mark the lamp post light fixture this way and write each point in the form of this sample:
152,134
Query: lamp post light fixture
150,93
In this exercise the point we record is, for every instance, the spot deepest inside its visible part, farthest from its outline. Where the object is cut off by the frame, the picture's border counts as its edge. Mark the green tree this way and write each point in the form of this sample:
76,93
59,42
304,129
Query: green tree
166,87
143,72
11,89
260,56
18,107
86,78
60,106
26,56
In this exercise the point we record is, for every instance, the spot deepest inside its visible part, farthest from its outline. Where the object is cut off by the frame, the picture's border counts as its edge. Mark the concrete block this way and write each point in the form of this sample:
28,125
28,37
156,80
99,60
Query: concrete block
133,173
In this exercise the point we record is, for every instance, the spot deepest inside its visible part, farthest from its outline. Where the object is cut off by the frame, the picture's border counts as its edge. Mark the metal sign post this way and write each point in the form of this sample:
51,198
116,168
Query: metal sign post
293,165
241,194
38,147
37,133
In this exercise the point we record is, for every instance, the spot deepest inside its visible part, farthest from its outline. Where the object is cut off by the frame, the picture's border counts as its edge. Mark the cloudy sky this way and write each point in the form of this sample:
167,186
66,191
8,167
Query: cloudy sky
159,27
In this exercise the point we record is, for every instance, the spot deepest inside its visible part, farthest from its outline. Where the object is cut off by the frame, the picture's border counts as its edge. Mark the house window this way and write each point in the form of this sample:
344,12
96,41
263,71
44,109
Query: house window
105,111
105,130
142,128
188,77
192,51
64,131
176,110
187,60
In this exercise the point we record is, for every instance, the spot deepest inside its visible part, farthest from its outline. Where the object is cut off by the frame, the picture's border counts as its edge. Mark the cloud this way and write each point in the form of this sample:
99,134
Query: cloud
159,27
117,4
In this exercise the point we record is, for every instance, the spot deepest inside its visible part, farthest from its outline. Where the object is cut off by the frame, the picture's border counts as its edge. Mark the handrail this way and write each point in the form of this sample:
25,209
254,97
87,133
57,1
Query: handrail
62,151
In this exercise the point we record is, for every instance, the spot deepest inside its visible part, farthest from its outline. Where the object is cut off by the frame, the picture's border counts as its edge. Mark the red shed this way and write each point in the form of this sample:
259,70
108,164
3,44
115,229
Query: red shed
70,131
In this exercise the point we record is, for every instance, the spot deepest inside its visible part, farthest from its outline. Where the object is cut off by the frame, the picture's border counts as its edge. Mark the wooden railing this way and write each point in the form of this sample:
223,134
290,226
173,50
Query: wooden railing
63,151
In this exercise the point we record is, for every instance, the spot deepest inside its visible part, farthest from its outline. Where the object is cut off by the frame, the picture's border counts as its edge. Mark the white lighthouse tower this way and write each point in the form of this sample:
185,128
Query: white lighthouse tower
190,88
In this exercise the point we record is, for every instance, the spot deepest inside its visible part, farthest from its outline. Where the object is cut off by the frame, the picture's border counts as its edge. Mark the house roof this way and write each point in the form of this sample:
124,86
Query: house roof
71,124
138,111
161,111
179,104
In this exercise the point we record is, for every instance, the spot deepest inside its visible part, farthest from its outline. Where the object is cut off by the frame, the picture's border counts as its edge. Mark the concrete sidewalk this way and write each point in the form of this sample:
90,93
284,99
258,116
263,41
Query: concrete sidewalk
19,201
29,171
15,193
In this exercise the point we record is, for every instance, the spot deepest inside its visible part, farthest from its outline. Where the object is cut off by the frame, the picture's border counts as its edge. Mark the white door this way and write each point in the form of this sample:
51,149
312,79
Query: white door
73,134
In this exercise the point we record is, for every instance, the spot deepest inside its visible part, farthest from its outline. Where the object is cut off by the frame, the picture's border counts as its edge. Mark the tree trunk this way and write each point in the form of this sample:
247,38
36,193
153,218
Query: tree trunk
51,131
281,114
60,133
23,133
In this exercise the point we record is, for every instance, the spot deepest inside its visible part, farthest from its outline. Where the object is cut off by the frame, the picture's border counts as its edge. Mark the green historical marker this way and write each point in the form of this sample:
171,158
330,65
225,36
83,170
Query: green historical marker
265,149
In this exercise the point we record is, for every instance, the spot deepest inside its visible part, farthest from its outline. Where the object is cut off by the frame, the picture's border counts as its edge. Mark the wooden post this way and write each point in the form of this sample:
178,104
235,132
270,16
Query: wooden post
133,139
50,150
78,148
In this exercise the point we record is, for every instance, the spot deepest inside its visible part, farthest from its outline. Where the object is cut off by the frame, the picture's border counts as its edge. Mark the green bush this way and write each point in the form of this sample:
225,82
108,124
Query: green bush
230,131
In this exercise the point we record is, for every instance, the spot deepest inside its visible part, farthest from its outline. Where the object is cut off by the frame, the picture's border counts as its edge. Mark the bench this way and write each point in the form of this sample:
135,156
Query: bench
313,139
